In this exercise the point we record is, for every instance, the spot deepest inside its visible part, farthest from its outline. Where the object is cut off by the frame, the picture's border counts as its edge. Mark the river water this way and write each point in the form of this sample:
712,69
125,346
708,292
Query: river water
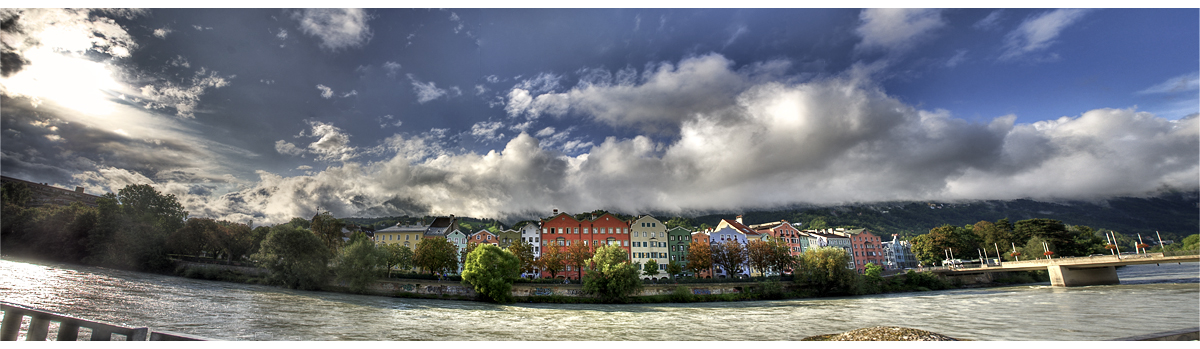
1150,299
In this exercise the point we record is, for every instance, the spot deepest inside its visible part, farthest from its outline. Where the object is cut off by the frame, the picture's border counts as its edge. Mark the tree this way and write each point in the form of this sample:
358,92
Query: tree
399,257
491,271
329,230
612,277
524,252
824,270
294,257
760,255
552,260
651,268
132,228
1084,241
436,256
817,223
872,269
578,255
931,248
699,257
674,268
358,264
730,256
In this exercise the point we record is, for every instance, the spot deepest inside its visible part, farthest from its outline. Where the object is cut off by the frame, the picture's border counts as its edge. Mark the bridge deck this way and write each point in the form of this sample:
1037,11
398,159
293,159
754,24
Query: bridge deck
1080,262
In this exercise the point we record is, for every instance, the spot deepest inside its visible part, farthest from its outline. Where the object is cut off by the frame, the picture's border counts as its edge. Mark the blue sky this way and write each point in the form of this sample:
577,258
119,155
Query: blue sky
268,114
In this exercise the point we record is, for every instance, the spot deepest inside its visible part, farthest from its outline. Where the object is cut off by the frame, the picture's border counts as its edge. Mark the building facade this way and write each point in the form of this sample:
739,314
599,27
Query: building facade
42,194
404,235
483,237
648,242
678,240
508,237
785,232
898,254
532,234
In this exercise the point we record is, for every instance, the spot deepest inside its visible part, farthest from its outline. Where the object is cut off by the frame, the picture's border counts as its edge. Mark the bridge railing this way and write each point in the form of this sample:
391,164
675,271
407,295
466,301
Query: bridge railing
70,327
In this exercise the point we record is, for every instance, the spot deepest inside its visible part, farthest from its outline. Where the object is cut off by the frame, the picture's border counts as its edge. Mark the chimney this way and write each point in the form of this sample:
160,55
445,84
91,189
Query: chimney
739,219
79,190
556,212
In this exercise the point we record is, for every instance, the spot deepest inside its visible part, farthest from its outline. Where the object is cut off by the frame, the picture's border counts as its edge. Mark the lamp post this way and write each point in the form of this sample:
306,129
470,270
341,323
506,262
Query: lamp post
1160,243
1015,254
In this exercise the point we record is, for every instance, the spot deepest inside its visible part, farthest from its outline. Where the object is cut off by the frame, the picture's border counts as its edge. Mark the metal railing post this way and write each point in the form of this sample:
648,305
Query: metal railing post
11,325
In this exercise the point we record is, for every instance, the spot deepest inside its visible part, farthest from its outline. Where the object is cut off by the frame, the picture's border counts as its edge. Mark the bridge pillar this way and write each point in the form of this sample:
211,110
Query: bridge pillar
1082,276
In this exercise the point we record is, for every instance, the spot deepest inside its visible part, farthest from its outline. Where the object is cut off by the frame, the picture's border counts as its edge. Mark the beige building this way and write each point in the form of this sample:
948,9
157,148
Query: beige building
404,235
648,241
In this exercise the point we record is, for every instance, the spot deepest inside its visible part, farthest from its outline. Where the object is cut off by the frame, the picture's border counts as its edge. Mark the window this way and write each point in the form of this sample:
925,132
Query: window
625,243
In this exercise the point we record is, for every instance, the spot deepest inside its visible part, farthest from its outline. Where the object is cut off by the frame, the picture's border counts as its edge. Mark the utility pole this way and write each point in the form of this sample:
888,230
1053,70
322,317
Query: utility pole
1160,243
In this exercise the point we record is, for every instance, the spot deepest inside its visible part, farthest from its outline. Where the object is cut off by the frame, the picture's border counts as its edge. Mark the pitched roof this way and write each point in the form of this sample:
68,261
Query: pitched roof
739,226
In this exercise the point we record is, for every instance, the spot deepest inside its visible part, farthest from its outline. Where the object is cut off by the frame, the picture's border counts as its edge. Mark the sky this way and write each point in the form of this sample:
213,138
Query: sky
267,114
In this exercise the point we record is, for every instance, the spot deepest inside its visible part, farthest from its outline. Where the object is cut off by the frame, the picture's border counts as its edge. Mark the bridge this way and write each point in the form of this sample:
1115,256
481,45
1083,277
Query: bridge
1073,271
69,327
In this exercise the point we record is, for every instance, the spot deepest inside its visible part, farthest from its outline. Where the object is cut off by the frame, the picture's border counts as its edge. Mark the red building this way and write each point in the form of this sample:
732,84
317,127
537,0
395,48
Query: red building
564,230
866,247
484,237
785,231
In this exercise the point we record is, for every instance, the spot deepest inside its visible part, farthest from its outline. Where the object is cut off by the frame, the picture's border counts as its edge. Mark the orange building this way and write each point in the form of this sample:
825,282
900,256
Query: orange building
564,230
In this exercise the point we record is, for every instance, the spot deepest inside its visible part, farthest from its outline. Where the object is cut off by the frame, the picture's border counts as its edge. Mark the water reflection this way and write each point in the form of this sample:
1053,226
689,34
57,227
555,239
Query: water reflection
250,312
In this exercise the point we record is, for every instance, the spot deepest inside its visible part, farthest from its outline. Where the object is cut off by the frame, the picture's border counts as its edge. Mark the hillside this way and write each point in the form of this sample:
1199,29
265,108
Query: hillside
1174,214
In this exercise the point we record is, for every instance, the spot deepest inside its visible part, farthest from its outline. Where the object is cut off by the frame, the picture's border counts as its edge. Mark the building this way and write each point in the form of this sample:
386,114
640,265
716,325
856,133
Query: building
42,194
720,236
827,238
648,242
898,254
785,232
702,237
531,233
678,241
564,230
459,239
483,237
865,247
405,235
508,237
440,227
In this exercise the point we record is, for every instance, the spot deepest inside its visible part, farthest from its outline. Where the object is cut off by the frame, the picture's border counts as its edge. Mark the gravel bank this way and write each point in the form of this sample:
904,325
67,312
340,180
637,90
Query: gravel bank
882,333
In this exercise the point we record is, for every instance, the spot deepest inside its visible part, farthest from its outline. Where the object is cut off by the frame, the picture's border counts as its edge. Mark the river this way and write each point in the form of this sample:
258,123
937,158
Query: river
1150,299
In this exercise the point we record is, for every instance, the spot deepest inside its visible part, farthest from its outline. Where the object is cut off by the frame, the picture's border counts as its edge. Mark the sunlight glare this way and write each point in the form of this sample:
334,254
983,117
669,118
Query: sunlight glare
72,82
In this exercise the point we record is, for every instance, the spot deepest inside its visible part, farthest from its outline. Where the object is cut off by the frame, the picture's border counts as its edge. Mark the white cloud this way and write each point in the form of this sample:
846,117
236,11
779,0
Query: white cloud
336,28
161,33
991,22
392,67
1182,83
458,23
486,130
282,35
332,145
426,91
287,148
183,98
737,33
895,30
304,167
1038,32
326,92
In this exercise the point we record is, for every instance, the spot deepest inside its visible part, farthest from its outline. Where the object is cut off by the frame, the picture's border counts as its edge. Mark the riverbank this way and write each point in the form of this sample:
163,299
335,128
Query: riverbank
540,292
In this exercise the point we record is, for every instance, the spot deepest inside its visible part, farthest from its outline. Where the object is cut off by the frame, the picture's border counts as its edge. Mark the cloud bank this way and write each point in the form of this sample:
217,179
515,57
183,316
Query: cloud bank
336,29
732,139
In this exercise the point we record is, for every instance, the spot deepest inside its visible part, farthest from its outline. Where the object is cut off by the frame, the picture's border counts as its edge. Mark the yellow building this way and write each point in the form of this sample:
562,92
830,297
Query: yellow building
404,235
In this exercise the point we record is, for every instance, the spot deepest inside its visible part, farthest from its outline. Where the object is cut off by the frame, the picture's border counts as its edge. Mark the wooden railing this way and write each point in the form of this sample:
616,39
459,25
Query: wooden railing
69,327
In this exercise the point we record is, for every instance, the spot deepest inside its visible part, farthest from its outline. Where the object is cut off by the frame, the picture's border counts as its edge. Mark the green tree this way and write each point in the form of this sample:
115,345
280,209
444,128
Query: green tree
294,257
674,268
132,228
1084,241
359,264
436,256
730,256
398,257
824,270
872,269
699,257
781,256
612,277
931,248
491,271
16,194
817,223
524,252
329,230
651,268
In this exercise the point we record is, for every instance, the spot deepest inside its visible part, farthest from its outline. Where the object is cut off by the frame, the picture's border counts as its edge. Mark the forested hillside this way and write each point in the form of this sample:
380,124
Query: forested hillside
1174,214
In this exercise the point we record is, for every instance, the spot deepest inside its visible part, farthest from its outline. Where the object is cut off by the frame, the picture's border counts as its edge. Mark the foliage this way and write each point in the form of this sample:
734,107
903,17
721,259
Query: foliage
398,257
612,277
931,248
770,289
577,256
294,257
524,252
359,264
824,270
674,268
50,232
491,271
760,255
552,259
436,256
650,268
329,230
699,257
132,228
873,269
730,256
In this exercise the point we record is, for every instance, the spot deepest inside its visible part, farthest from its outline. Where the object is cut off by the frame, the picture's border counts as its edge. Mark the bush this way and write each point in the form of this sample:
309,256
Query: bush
682,295
294,257
491,271
358,264
770,289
